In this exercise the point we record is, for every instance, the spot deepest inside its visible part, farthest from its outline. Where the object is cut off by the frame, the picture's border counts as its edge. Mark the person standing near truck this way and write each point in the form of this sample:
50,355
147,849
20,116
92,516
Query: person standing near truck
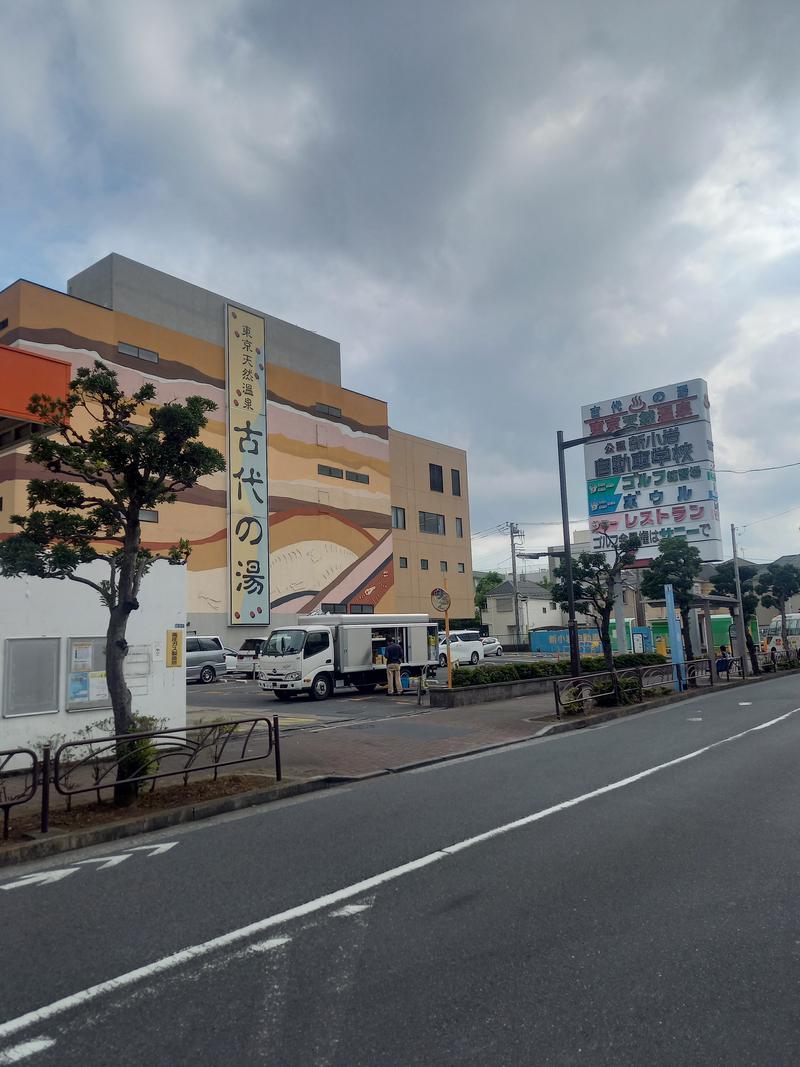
394,657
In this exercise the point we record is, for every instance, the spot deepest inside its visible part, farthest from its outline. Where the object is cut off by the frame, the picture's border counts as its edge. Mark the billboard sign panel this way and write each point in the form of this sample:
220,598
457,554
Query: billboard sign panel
248,499
649,463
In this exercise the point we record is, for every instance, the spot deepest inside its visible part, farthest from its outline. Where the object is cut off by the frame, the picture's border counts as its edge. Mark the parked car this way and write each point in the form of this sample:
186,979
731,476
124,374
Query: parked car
248,654
465,647
230,661
491,646
205,658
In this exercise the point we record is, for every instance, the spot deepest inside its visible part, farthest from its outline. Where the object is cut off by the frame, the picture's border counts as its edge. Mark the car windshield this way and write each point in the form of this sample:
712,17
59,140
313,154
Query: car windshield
284,643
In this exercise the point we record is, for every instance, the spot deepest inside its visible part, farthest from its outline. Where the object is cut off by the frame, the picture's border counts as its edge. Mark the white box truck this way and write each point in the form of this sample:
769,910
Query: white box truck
324,652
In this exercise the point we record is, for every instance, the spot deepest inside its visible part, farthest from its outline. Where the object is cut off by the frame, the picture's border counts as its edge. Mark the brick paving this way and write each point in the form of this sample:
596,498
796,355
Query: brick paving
365,747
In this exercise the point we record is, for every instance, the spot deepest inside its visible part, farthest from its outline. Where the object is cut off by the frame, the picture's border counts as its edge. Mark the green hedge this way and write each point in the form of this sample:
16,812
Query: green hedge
515,672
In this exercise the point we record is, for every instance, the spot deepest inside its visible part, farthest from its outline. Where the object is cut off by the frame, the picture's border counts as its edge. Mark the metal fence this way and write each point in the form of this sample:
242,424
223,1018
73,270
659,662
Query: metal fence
576,696
101,763
18,784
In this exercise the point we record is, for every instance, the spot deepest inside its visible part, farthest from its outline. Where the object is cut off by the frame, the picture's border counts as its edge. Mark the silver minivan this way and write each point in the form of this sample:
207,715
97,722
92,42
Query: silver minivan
205,658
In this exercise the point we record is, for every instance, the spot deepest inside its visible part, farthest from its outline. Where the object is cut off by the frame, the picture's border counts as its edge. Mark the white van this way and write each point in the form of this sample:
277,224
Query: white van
466,646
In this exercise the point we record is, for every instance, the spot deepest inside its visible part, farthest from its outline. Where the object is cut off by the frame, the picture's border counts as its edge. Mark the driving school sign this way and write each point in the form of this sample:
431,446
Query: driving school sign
248,500
649,461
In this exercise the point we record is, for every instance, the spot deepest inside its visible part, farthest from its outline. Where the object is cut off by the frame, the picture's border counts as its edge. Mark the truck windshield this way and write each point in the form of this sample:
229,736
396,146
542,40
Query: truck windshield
284,643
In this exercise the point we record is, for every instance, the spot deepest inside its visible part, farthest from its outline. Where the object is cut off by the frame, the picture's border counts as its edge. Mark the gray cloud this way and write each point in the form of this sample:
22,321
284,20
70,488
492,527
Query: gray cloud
502,211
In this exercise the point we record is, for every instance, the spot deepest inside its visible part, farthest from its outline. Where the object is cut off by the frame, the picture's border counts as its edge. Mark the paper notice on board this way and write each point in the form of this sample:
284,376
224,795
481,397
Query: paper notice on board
81,656
98,689
78,691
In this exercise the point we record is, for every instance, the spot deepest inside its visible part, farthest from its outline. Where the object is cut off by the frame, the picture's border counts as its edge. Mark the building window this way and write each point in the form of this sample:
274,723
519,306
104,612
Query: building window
443,566
328,409
31,675
362,609
330,472
455,479
146,354
334,609
355,476
398,518
430,522
3,324
423,564
461,568
403,561
437,478
544,610
145,515
503,604
459,527
552,606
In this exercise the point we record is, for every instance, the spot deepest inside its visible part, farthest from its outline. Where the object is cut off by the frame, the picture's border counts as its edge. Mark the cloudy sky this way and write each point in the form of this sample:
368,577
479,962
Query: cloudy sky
502,210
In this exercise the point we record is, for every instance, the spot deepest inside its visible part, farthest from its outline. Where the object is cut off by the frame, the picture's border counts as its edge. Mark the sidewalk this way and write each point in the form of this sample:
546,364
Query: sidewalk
352,749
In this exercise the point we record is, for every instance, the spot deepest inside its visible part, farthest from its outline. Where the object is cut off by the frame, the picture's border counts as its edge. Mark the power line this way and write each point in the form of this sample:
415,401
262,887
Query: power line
768,517
757,470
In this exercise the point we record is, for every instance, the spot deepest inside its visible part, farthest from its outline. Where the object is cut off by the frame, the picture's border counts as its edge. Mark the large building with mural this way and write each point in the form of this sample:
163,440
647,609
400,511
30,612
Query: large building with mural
322,506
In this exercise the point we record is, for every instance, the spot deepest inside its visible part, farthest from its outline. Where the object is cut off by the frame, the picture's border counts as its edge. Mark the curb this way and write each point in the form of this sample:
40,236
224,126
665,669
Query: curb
56,842
658,702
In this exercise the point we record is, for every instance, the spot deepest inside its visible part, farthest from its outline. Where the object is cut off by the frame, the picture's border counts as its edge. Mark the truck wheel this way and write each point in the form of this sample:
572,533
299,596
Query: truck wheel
369,688
475,657
208,674
321,687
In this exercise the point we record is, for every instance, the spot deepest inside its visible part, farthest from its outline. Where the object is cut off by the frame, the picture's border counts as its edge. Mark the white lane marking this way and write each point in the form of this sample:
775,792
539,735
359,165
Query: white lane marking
695,719
108,861
43,878
266,946
196,952
155,850
18,1053
745,703
350,909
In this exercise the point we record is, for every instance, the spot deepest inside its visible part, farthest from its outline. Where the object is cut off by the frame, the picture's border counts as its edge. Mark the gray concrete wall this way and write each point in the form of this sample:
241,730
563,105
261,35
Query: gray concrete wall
145,293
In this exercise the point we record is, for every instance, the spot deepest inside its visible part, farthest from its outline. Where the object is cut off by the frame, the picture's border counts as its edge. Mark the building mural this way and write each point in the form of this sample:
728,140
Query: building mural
330,537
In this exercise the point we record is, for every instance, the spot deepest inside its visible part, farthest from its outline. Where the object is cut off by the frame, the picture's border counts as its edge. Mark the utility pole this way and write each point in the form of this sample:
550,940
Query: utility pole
572,625
515,534
741,640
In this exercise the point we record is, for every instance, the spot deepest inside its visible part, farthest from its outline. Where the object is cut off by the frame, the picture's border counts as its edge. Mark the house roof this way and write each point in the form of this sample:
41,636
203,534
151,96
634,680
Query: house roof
532,590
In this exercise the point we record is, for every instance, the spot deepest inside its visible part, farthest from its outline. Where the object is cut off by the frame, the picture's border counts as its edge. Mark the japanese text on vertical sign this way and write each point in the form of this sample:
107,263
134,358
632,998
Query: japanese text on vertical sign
248,495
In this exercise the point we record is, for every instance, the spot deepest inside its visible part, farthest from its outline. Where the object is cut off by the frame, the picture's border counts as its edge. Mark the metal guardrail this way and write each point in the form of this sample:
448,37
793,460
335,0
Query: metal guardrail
142,756
575,696
91,765
27,777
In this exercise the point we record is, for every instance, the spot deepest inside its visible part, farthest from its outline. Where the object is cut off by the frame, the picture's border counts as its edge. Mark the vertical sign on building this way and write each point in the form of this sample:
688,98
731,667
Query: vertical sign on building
650,469
248,499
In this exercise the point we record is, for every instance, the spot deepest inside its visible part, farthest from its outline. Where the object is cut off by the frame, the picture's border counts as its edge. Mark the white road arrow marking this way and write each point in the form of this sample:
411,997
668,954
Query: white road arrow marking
45,878
18,1053
155,850
108,861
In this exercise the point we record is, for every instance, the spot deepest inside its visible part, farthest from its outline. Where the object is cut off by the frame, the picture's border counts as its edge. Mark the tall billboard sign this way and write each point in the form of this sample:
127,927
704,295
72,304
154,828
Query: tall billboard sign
248,499
650,471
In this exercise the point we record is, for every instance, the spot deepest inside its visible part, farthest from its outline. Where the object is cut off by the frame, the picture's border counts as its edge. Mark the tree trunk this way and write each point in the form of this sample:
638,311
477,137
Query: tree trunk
125,791
687,644
751,650
605,640
784,631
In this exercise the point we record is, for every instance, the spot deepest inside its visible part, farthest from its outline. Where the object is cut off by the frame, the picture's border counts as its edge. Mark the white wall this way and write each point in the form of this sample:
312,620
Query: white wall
45,608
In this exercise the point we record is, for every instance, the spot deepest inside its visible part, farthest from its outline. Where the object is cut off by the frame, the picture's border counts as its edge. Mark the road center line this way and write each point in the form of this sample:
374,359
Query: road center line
195,952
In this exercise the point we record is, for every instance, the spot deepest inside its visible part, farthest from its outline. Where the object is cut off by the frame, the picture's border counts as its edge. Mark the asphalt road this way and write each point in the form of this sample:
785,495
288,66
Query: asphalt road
621,895
239,697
